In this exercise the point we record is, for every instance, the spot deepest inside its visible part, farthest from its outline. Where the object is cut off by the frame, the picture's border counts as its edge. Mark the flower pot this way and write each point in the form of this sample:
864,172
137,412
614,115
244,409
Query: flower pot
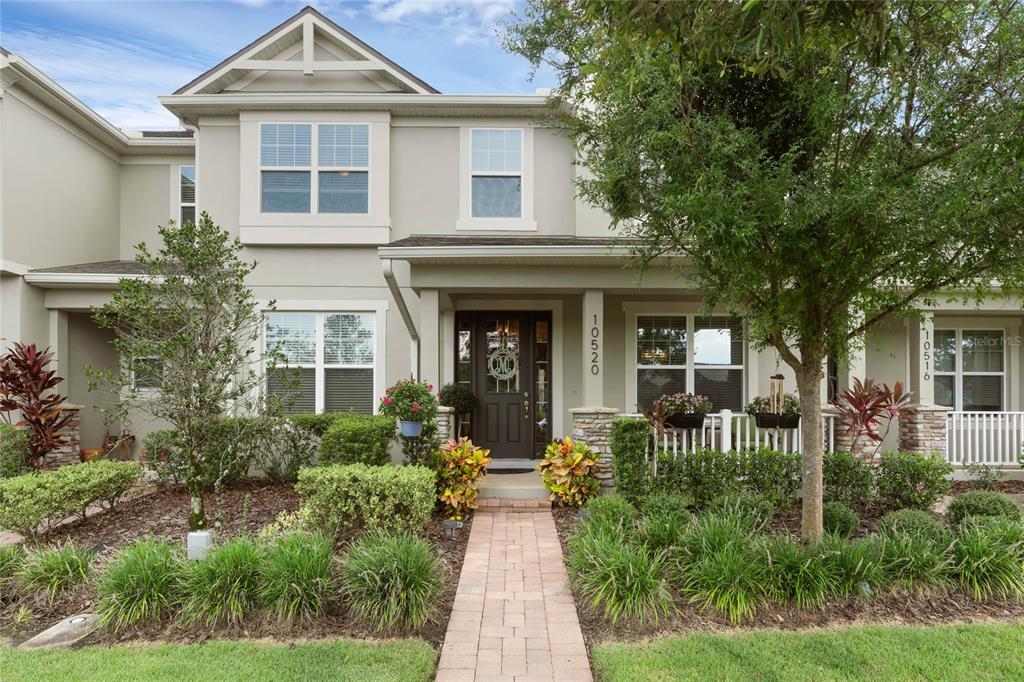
777,421
680,420
91,454
410,429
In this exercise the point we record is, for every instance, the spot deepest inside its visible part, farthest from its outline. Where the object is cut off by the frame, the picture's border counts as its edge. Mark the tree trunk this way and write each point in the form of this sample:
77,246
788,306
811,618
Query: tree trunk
808,379
197,507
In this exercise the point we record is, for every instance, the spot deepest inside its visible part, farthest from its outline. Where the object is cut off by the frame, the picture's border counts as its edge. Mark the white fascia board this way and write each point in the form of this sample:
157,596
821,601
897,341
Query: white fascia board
498,252
72,280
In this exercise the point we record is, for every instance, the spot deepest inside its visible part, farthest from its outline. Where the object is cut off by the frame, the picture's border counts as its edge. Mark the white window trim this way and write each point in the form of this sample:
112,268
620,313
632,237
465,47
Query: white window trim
145,390
321,309
672,310
178,200
314,168
466,221
958,372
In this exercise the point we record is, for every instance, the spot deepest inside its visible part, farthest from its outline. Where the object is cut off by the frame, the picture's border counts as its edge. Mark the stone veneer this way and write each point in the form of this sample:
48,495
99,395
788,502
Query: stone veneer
445,422
593,426
923,429
864,448
69,452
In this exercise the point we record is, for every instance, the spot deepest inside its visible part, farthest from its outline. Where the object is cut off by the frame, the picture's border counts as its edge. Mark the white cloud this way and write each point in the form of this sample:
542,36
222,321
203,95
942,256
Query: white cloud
468,21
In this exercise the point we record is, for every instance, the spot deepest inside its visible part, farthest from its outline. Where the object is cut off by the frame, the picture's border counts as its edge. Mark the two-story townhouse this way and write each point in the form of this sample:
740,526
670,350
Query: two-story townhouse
405,232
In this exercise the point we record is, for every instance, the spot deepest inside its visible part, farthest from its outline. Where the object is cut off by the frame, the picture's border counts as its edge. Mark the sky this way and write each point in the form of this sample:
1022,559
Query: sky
117,56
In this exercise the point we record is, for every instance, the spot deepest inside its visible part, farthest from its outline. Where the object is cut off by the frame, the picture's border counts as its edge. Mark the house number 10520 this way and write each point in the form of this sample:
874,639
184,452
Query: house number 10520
595,348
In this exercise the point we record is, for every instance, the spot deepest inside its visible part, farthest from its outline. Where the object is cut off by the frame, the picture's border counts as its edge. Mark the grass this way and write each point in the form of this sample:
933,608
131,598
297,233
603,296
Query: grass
54,569
961,652
336,660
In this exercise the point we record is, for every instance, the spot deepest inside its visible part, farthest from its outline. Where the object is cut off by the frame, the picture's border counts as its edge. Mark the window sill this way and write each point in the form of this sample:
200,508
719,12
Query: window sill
497,224
315,236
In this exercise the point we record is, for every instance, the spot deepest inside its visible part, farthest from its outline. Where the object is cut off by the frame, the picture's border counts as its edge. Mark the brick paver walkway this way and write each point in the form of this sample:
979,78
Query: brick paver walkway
513,618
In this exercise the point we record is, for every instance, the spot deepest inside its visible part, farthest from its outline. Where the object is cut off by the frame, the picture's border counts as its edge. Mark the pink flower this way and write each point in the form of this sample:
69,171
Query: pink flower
430,387
415,407
388,401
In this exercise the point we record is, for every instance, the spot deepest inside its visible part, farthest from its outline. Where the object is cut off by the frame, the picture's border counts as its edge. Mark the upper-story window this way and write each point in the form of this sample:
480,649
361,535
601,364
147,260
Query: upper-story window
497,172
187,194
333,177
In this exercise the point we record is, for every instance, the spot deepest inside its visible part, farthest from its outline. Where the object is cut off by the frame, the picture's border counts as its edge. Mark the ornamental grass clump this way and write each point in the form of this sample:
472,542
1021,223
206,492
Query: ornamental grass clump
917,524
757,510
662,531
12,558
224,586
52,570
797,573
568,472
623,580
982,503
297,576
857,565
460,470
730,580
390,582
141,584
986,564
916,563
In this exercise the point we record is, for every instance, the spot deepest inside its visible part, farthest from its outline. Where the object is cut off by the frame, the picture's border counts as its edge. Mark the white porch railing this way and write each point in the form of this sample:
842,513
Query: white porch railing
728,430
994,438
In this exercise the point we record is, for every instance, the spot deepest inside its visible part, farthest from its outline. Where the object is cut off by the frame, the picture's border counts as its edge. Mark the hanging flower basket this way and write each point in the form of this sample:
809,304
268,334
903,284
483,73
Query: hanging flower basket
684,410
768,420
410,429
681,420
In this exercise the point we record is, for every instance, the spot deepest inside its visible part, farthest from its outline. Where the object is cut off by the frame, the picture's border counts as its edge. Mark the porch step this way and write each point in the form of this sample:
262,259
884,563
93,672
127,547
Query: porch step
512,505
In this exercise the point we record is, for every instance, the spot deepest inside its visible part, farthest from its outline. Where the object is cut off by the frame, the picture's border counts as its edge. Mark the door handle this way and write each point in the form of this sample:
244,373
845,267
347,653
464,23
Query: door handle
526,405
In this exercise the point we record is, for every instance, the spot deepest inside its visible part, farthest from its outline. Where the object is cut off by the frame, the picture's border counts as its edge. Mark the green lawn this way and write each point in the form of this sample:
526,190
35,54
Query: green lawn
879,654
339,660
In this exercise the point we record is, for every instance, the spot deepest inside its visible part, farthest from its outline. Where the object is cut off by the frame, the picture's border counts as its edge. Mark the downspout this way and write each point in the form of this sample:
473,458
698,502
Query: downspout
396,293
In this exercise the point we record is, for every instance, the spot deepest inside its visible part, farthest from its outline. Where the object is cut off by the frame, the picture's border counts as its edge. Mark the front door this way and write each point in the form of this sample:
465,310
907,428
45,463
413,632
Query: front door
503,381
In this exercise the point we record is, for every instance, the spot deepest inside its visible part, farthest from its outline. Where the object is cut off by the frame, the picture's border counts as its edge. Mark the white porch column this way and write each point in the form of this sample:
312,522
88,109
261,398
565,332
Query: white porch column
430,337
923,346
593,347
59,343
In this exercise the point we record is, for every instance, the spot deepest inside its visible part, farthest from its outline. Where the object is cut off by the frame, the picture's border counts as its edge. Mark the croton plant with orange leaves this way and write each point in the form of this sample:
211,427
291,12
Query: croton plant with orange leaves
460,469
568,472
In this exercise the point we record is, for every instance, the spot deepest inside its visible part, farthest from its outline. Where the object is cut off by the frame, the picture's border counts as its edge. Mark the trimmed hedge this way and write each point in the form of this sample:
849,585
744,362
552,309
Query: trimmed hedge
630,439
847,478
345,498
706,474
358,439
42,499
982,503
912,480
14,450
314,423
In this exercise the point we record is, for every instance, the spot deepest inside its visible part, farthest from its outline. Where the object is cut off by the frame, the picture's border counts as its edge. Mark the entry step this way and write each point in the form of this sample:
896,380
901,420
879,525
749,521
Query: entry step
510,504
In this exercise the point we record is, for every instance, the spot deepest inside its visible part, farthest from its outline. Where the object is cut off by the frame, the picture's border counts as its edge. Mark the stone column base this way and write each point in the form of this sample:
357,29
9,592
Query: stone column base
593,426
923,429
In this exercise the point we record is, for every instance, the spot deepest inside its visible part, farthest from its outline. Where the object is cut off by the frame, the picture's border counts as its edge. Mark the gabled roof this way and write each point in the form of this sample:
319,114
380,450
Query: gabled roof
263,49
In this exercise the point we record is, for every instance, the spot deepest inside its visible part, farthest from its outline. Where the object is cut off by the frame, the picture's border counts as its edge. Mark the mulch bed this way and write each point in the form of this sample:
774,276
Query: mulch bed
244,510
1009,487
888,609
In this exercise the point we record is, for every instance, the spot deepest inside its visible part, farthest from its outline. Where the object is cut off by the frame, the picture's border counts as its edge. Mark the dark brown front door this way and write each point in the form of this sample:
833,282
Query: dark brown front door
504,379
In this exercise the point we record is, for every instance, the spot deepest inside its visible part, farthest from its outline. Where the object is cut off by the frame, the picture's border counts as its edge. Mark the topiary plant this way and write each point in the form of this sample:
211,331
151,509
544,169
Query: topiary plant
838,518
568,472
982,503
459,397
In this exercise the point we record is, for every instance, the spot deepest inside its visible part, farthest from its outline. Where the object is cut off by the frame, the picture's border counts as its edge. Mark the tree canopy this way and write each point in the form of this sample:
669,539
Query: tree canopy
813,166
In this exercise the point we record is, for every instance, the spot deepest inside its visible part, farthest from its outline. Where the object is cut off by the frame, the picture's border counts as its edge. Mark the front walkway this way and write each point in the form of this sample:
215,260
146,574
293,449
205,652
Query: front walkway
513,618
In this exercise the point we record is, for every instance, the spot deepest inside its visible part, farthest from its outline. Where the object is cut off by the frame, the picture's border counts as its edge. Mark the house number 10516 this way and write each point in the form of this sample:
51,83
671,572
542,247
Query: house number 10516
595,348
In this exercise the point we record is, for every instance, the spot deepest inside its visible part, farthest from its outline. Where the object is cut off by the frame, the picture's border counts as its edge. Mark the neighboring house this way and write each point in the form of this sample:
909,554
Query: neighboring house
405,232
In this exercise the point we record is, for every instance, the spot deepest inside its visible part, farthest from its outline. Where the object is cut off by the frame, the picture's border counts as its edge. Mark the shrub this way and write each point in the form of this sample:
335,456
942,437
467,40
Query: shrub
14,450
857,565
915,562
42,499
568,472
847,478
773,475
664,504
982,503
985,475
12,558
986,565
224,586
351,497
459,397
312,422
838,518
915,523
709,533
729,580
358,439
55,569
611,511
460,468
621,579
704,474
142,583
911,480
630,440
757,509
390,582
798,573
1011,532
297,576
663,531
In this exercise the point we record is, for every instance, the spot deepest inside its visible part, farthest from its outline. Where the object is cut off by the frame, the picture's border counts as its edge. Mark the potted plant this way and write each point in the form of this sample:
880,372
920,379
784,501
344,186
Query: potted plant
90,454
411,403
461,465
785,414
461,399
685,410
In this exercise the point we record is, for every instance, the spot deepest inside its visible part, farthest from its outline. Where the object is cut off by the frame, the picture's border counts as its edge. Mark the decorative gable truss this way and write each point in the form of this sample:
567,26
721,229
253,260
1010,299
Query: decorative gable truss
307,53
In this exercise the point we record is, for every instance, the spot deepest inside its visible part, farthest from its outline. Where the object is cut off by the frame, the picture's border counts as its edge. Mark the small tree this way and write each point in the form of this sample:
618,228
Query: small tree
816,167
26,389
191,327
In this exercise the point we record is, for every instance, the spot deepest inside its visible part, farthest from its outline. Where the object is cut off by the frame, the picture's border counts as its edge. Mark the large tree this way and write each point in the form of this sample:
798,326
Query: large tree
813,166
188,337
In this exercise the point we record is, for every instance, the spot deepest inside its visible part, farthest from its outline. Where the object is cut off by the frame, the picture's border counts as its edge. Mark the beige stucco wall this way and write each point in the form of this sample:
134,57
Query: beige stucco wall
88,346
148,199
